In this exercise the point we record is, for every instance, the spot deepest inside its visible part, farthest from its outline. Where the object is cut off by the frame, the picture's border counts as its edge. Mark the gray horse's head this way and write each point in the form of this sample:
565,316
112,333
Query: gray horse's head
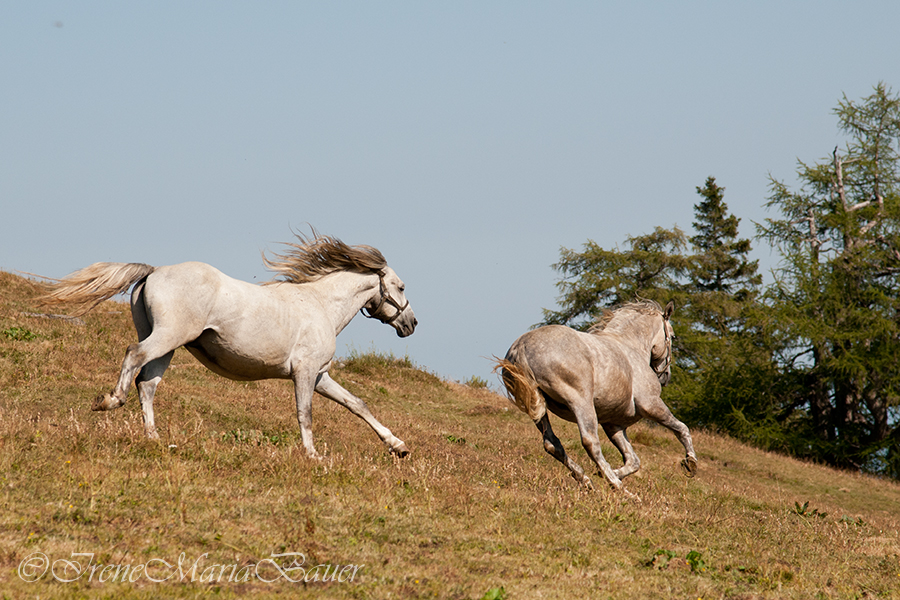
661,351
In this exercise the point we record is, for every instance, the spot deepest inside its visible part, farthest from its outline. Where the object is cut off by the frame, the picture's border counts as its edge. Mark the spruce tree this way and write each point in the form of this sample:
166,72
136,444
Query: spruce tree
720,262
722,357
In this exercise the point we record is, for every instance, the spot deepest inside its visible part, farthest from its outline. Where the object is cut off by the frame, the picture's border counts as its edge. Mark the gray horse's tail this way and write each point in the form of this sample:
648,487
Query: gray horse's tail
521,387
85,289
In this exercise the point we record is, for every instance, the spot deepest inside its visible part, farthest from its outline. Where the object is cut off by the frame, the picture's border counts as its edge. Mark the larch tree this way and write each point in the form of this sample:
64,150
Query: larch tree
836,297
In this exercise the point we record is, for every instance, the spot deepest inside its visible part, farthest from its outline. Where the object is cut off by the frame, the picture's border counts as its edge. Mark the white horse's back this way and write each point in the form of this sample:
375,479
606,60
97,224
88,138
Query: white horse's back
239,330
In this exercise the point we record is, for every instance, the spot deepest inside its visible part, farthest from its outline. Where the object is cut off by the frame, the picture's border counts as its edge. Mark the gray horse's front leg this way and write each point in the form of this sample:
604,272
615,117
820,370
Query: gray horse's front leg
660,413
689,462
303,393
329,388
619,438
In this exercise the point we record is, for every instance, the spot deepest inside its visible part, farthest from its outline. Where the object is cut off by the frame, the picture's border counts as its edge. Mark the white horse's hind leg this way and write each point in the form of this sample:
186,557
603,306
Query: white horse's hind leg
619,438
157,345
135,358
329,388
150,376
147,381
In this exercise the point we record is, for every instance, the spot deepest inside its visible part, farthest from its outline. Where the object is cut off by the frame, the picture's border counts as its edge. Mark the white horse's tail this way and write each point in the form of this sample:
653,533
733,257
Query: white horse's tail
85,289
521,387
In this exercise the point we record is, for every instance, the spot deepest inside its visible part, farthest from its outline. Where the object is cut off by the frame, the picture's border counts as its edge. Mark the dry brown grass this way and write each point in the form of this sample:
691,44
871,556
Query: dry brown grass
478,506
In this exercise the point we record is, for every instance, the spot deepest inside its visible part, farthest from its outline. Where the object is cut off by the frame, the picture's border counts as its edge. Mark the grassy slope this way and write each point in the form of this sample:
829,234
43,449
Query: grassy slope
476,507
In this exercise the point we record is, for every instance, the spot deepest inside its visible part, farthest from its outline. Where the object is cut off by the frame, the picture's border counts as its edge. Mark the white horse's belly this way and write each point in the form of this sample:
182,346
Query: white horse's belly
226,361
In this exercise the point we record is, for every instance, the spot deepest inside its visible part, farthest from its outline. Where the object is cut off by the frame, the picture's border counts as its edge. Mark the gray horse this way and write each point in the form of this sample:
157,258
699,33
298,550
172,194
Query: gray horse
612,375
282,330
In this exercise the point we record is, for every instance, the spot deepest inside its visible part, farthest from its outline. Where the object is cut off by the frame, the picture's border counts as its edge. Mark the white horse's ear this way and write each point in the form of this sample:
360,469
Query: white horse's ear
670,308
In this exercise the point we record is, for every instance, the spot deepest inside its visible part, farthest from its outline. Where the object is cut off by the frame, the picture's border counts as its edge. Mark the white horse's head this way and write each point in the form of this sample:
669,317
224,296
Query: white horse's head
390,305
661,350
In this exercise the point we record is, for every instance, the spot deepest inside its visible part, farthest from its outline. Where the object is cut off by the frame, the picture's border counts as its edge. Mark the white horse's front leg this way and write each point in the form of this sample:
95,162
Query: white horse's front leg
303,393
329,388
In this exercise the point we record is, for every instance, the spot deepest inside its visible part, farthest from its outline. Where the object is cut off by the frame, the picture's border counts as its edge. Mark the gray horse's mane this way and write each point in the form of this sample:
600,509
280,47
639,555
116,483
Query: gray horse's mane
315,256
641,306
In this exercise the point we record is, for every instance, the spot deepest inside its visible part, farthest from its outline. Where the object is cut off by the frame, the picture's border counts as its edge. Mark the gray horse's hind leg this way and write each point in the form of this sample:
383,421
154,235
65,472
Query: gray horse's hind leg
329,388
619,438
555,449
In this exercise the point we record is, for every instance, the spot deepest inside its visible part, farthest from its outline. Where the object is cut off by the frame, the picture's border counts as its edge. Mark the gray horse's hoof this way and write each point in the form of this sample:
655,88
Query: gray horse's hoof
106,402
583,479
690,466
631,496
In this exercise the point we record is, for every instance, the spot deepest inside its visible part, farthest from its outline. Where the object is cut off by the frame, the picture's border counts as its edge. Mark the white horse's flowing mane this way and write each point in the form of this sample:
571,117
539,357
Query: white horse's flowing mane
318,255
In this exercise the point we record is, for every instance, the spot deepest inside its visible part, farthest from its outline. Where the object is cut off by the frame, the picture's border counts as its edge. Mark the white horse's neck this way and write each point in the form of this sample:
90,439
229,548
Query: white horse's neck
343,293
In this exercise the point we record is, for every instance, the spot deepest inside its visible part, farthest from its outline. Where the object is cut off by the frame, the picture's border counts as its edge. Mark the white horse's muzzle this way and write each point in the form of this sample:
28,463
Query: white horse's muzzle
405,322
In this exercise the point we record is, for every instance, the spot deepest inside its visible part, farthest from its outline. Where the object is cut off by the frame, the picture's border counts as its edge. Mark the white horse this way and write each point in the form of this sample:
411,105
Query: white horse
611,376
281,330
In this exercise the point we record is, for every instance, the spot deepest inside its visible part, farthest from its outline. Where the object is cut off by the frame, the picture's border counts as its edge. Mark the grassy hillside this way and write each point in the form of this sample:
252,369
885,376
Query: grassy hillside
478,510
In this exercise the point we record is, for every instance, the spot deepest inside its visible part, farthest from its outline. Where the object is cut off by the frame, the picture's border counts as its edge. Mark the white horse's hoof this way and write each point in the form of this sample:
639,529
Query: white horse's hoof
106,402
400,450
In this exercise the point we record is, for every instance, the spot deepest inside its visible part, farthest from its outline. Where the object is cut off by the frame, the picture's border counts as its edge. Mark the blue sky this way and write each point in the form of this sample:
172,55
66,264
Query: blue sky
469,141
